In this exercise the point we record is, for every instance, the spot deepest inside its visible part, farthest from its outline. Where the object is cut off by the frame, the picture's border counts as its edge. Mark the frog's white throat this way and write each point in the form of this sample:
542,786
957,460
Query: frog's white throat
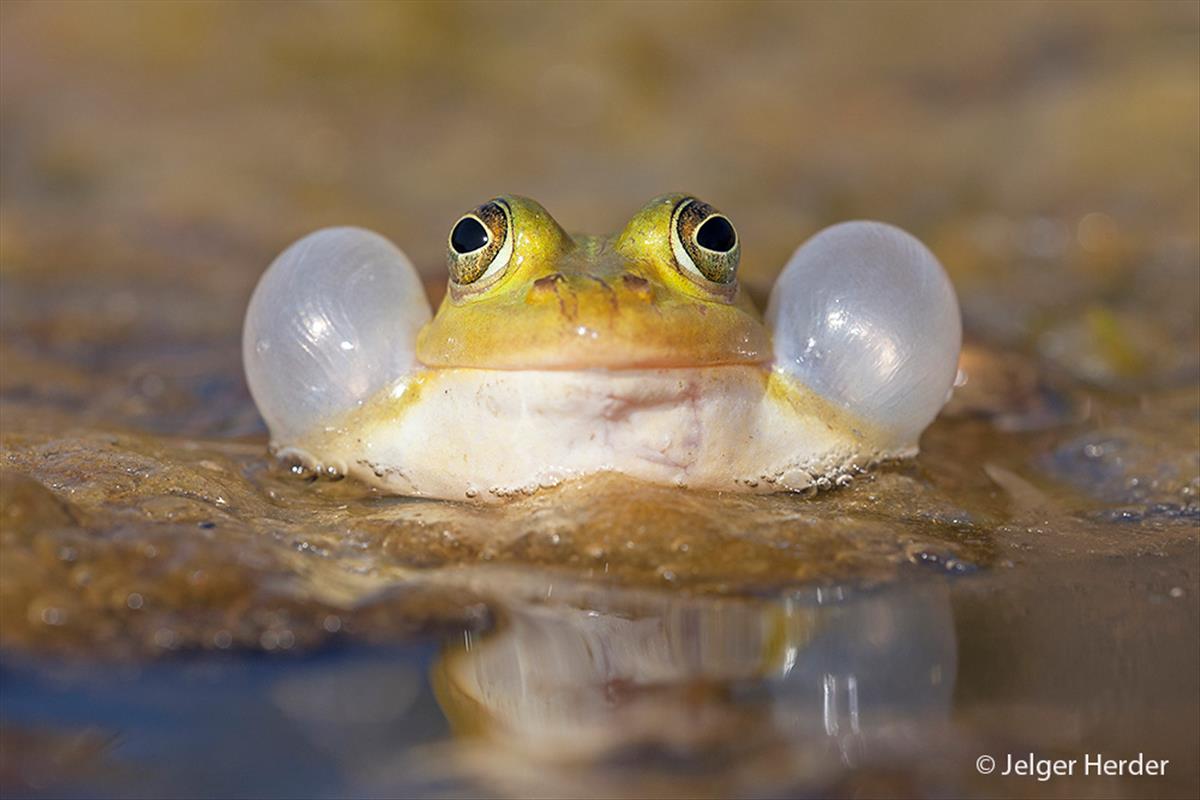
490,434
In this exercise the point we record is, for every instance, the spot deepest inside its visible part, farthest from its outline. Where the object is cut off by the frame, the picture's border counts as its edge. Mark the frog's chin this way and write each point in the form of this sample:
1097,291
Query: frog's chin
489,434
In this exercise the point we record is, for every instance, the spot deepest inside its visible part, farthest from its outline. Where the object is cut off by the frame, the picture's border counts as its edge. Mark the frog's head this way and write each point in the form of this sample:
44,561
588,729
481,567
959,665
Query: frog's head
524,294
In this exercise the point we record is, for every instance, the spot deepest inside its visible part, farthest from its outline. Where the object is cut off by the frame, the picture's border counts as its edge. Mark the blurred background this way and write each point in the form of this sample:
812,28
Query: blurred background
155,157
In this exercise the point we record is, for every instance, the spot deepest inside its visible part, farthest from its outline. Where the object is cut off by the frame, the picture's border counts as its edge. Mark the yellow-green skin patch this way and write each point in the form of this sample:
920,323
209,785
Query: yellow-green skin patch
590,302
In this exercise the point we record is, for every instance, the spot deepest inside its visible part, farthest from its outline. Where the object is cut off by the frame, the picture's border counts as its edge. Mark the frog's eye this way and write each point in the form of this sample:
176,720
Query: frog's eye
704,242
480,244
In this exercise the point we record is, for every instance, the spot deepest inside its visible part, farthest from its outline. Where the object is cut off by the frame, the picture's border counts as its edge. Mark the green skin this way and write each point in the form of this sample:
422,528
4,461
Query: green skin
584,302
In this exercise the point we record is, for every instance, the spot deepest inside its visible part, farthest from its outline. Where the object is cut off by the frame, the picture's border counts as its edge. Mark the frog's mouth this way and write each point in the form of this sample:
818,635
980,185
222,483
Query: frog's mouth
588,323
588,358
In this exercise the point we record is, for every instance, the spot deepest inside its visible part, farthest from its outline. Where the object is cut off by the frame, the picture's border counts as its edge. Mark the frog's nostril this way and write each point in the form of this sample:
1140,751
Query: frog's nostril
545,288
637,285
548,283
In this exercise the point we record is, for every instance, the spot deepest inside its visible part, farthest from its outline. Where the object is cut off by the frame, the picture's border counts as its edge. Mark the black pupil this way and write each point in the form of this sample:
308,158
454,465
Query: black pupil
468,235
716,234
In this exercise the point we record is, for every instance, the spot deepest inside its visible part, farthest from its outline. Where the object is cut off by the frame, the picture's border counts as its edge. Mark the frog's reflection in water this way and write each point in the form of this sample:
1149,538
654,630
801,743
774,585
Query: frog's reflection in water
644,689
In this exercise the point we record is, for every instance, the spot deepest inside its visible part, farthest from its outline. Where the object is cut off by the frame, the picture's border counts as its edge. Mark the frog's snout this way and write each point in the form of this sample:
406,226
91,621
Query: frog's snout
591,294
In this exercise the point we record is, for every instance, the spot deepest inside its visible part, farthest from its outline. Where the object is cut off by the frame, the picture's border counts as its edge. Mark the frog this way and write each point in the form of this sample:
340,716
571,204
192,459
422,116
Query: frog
556,356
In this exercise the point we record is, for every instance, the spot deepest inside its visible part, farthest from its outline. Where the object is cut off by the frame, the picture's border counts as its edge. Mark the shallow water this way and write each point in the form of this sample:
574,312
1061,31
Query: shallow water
180,616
